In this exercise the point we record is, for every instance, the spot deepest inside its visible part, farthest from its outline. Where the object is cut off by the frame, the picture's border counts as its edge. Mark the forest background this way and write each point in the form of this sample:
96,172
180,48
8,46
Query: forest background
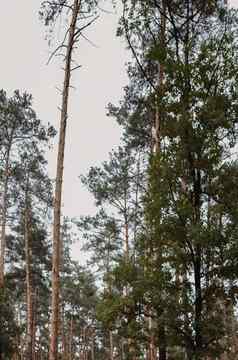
131,317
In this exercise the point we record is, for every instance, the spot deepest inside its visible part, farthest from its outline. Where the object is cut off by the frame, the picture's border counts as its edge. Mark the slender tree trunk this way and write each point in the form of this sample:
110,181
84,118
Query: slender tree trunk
84,344
34,326
160,83
126,226
131,345
198,304
58,187
136,206
93,348
110,345
71,339
152,348
127,250
64,340
198,267
29,291
4,218
162,331
123,356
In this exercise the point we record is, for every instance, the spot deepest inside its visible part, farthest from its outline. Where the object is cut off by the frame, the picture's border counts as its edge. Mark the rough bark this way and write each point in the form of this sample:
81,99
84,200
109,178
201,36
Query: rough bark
58,187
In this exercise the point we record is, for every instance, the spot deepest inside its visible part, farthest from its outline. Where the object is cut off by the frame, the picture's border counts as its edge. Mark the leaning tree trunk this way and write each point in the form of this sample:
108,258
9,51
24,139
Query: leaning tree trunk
58,186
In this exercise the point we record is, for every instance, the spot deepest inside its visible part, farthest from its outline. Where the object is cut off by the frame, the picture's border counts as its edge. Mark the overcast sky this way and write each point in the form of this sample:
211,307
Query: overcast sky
91,135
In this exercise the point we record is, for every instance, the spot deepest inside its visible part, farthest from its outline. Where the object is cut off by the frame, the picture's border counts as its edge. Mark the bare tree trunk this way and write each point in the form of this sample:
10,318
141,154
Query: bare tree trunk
58,188
29,292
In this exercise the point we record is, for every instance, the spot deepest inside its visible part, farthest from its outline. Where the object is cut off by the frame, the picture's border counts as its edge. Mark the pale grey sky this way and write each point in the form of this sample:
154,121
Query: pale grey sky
91,135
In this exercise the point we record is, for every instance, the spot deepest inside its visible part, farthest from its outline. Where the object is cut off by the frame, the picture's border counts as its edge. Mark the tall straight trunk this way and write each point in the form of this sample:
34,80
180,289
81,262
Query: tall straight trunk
58,187
4,218
29,290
